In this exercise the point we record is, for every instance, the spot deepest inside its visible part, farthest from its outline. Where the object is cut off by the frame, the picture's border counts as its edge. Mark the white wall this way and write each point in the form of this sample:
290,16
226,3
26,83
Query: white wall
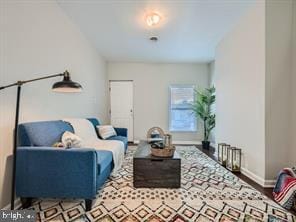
293,147
278,85
212,73
151,92
254,72
212,80
240,84
38,39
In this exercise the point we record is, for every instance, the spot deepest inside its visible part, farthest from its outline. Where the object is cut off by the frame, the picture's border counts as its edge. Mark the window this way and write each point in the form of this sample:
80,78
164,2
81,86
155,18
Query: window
182,118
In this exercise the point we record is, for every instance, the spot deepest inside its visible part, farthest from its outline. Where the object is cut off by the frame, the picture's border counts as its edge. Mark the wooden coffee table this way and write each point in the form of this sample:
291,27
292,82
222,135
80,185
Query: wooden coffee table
155,172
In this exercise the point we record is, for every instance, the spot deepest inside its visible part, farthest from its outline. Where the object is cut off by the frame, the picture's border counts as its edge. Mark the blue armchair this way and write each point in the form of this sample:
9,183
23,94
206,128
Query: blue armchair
46,172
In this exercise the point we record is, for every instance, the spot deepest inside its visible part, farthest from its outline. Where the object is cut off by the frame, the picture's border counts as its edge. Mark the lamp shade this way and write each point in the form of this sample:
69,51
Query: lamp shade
66,85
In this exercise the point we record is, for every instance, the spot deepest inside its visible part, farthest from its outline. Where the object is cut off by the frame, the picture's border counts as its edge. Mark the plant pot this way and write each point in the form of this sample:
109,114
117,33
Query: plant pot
206,145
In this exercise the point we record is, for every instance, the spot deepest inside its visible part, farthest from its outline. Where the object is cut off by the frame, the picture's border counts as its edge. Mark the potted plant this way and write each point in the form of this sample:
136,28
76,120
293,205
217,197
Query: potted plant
202,108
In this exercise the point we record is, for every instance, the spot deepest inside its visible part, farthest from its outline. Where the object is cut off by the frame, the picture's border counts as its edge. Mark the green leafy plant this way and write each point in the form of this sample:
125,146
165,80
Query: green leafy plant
202,108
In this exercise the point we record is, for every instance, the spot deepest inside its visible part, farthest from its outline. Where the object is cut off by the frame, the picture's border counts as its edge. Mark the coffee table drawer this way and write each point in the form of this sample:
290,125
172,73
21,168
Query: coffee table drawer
157,173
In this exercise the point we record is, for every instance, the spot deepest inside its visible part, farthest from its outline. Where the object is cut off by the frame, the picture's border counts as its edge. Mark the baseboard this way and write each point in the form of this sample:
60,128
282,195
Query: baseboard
213,144
17,205
269,183
258,179
177,142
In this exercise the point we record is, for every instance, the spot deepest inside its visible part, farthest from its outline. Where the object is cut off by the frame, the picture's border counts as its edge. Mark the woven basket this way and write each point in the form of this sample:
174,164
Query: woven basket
157,129
165,152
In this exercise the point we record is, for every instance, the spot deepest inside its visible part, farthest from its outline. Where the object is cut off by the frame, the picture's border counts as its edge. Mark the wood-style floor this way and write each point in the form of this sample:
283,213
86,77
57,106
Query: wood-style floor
266,191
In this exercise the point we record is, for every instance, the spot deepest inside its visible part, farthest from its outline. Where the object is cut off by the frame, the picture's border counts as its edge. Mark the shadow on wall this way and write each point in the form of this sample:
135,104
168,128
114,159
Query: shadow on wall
6,188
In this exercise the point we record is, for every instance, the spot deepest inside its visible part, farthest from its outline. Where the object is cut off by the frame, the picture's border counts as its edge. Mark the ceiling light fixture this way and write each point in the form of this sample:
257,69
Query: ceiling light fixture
153,38
152,19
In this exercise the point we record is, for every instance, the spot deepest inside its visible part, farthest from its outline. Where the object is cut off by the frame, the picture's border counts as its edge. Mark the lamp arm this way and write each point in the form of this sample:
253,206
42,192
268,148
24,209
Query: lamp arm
19,83
10,85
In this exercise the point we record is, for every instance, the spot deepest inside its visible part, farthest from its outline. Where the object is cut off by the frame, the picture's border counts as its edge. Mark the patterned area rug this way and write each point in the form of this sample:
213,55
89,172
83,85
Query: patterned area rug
208,193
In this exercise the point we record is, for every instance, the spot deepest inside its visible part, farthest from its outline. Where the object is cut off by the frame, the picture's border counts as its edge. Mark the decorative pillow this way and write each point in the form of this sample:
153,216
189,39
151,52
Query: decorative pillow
71,140
106,131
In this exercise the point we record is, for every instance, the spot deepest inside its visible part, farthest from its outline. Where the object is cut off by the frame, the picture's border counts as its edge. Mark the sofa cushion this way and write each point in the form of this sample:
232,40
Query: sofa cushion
45,133
95,123
120,138
105,159
106,131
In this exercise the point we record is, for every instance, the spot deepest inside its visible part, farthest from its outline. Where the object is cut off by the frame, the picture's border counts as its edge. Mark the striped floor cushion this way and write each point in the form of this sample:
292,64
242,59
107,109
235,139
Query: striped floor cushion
284,191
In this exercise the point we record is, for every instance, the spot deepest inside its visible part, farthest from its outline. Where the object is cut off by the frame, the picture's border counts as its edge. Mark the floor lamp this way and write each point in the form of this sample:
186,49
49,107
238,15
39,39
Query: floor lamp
66,85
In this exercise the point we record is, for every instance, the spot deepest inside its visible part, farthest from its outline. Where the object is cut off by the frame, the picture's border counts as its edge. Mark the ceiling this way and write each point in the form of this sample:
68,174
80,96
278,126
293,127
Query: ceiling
189,30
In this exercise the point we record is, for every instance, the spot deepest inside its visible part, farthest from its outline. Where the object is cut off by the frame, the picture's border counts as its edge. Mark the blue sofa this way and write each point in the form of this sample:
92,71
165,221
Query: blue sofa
43,171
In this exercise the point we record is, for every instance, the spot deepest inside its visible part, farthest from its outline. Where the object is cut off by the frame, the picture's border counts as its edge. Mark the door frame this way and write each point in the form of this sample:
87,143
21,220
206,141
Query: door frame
133,107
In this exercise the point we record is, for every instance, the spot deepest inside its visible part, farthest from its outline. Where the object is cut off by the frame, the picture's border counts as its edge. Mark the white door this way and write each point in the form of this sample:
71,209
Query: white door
121,106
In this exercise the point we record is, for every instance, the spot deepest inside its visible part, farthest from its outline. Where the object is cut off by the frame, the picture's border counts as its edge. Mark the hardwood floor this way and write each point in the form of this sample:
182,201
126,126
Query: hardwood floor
266,191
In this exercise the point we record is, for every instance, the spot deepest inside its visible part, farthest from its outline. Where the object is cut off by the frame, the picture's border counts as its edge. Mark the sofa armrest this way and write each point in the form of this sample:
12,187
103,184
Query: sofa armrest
121,131
55,172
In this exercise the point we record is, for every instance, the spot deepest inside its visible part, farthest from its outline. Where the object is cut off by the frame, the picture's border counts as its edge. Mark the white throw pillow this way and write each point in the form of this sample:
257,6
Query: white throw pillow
106,131
71,140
